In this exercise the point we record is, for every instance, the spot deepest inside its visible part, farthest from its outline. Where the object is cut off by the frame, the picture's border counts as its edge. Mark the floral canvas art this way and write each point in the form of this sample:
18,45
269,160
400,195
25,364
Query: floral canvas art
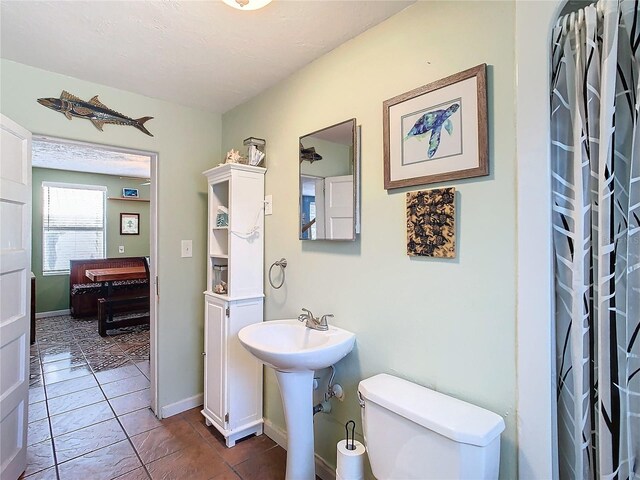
431,223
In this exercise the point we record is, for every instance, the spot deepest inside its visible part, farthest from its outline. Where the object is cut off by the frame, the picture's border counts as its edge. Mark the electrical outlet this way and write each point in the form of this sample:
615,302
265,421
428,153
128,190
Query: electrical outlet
187,248
121,249
268,205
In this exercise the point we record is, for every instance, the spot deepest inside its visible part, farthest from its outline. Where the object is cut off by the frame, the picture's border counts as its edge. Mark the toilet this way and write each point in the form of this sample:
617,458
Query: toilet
412,432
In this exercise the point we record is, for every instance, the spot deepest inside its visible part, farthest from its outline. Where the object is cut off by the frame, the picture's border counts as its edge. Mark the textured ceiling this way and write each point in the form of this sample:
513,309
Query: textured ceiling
84,157
202,54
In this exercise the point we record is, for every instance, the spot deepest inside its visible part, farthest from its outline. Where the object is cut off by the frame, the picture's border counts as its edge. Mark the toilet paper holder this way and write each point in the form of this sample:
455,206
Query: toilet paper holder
352,445
350,456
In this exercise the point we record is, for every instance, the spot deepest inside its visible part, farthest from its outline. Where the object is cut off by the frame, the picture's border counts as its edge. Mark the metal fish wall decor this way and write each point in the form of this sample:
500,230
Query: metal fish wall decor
309,154
93,110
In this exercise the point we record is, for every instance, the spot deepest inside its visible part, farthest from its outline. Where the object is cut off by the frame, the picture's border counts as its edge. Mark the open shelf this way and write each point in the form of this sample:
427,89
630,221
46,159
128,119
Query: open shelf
238,191
222,296
127,199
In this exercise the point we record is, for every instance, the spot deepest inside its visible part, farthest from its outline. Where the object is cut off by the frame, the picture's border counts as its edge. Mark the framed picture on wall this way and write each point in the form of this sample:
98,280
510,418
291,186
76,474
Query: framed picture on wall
129,224
437,132
130,192
431,223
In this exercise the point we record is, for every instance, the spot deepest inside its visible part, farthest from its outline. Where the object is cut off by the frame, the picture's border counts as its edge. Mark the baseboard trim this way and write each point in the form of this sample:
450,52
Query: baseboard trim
182,405
324,470
53,313
275,433
278,435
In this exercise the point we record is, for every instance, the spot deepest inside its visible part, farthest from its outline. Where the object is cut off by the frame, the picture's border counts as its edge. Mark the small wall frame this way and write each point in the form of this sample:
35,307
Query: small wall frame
431,228
129,193
129,224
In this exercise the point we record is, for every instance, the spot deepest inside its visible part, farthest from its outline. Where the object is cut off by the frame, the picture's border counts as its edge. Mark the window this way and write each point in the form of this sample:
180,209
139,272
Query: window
73,221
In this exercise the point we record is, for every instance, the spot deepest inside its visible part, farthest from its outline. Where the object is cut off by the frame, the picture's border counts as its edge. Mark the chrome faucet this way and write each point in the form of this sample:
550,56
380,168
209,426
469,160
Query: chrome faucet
313,322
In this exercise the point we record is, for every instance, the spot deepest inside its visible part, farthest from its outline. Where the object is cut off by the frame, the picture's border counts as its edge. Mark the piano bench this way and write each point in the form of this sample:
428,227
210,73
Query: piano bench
132,303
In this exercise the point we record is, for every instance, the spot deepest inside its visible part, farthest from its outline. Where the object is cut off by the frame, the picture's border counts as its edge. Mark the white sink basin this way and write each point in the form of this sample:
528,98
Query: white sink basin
288,345
295,351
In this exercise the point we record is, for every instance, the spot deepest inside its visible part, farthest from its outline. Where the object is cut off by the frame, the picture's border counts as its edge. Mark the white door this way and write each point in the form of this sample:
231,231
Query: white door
215,335
244,371
339,208
15,289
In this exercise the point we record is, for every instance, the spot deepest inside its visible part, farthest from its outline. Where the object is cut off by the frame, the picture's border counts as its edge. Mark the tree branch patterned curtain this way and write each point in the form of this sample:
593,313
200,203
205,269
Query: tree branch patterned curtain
595,156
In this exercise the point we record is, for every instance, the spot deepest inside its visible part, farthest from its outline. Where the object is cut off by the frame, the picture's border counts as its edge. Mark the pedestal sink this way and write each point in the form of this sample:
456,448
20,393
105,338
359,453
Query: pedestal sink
295,351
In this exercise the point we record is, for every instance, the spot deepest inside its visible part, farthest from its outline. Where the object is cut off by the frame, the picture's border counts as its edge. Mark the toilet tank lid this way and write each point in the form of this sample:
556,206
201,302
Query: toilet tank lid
460,421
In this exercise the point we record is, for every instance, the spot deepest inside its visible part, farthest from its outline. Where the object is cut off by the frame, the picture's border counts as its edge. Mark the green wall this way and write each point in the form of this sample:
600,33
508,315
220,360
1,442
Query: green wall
53,290
187,142
446,324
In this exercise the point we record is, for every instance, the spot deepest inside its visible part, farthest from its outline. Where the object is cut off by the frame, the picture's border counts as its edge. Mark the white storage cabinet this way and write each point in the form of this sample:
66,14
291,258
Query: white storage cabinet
232,376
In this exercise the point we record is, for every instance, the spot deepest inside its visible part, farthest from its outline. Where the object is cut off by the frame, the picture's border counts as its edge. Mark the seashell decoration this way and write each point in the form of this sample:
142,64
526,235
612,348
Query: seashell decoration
233,156
221,288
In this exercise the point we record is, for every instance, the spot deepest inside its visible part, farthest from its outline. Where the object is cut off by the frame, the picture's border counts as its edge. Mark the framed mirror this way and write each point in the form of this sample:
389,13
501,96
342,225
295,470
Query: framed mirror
329,183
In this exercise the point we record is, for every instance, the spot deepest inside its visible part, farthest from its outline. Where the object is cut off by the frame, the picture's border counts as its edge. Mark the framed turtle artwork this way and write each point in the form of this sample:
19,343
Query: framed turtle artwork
437,132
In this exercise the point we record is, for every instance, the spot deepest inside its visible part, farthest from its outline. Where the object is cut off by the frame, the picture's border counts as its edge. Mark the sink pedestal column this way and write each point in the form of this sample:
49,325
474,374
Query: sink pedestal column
296,389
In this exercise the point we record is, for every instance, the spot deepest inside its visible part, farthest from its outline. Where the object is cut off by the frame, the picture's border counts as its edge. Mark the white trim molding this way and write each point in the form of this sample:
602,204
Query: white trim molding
154,337
53,313
182,405
537,442
75,186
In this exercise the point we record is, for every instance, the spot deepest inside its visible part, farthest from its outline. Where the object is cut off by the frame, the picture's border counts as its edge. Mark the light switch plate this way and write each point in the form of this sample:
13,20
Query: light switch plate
121,249
268,205
187,248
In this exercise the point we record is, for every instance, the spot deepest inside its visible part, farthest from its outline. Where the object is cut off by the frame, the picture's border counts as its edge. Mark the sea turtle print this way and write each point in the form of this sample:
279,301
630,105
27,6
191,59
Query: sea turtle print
433,122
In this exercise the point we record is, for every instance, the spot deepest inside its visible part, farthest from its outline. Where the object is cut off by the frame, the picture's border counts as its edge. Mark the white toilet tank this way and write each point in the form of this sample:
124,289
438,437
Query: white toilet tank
412,432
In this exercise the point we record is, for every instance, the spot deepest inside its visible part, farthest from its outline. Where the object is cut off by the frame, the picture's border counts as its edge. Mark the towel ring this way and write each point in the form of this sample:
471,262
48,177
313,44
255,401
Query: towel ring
282,263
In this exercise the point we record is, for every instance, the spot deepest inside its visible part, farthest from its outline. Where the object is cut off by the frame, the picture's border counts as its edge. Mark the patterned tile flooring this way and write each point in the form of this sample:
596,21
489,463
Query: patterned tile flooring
89,416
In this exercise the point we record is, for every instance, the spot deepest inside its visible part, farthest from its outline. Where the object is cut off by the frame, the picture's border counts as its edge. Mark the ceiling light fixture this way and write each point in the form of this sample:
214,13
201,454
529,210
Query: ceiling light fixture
247,4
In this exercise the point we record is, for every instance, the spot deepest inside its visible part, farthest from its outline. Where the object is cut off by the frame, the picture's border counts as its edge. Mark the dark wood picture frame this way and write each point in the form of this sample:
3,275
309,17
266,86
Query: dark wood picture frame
479,161
129,224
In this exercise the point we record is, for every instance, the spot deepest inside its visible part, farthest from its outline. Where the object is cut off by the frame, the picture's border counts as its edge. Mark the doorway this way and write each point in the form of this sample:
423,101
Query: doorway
137,171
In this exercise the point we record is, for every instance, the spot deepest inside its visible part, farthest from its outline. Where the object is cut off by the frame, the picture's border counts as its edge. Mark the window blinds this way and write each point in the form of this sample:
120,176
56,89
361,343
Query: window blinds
73,223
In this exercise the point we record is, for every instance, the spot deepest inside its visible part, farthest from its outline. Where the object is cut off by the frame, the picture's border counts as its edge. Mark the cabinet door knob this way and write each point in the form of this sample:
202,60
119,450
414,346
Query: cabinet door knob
204,353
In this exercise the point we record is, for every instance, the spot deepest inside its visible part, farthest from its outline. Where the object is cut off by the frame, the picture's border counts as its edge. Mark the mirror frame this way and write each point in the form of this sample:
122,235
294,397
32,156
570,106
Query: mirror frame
355,139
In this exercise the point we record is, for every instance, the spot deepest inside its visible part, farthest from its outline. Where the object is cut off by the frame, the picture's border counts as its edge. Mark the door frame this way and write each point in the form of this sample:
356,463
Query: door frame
535,352
153,241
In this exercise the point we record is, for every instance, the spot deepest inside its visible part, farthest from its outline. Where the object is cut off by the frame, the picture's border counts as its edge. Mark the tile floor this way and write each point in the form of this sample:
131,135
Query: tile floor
89,416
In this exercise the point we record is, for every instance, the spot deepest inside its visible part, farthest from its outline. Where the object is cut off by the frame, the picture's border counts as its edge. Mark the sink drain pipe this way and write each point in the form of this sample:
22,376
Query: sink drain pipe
324,407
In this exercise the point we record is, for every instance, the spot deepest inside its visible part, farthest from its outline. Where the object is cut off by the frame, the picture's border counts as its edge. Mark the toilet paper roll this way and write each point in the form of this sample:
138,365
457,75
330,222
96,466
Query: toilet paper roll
350,463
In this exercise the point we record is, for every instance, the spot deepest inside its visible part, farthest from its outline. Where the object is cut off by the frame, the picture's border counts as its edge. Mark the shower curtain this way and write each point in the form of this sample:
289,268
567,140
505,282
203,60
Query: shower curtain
595,156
